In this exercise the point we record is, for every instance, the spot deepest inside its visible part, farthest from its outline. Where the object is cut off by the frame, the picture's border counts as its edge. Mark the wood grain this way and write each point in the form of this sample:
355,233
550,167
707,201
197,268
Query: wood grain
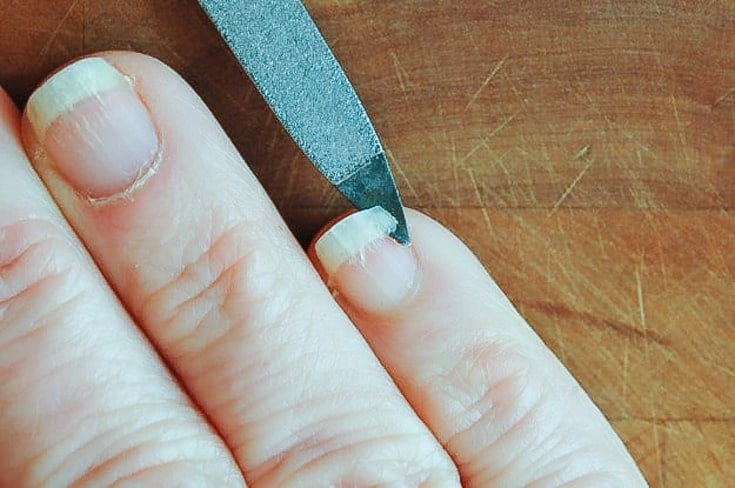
584,150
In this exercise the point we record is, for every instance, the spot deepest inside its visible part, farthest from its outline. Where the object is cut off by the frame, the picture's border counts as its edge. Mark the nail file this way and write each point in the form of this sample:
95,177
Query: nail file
283,52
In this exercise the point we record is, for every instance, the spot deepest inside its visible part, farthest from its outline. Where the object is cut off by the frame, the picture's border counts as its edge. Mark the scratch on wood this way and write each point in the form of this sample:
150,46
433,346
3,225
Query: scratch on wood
274,140
657,443
84,25
399,170
291,180
582,152
500,127
563,355
480,200
401,73
613,126
472,151
704,419
626,369
531,186
484,84
682,134
639,292
723,97
55,33
656,54
455,198
484,140
518,94
508,176
647,355
569,189
723,368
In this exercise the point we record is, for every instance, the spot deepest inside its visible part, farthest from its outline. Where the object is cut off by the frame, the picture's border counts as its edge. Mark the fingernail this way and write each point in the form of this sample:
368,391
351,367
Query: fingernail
365,266
94,127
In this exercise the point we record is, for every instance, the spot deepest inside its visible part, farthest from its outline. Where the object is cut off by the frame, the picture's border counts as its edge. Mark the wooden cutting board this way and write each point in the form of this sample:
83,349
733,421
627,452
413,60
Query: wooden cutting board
584,150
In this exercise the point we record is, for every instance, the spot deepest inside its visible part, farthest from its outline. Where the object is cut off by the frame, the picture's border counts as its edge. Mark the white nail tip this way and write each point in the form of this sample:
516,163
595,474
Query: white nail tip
350,236
79,81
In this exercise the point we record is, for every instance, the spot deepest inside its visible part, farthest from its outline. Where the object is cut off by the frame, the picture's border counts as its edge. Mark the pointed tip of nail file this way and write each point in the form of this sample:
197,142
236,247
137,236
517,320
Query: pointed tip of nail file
401,234
373,185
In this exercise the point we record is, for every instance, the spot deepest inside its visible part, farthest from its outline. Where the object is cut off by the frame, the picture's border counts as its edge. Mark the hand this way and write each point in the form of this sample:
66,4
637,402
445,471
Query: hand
159,326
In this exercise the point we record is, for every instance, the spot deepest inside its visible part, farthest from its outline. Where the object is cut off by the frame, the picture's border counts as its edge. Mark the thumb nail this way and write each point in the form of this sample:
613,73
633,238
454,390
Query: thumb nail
365,266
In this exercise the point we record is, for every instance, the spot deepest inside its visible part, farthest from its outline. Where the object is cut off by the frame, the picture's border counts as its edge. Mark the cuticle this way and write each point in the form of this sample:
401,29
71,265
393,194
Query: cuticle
144,176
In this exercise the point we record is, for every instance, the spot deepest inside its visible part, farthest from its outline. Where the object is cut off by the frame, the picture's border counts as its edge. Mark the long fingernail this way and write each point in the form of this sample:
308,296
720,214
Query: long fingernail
365,266
94,127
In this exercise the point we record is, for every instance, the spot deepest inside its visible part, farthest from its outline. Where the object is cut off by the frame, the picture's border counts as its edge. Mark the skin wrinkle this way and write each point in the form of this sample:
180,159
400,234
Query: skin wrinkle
538,458
463,378
534,431
22,232
550,442
33,331
310,431
361,472
106,461
175,473
319,424
37,260
214,298
151,447
37,280
475,468
521,420
17,386
572,474
310,436
90,394
12,294
211,272
159,426
567,473
51,458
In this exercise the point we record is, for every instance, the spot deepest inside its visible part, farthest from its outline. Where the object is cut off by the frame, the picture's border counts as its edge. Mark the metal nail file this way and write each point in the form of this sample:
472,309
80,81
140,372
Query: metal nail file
285,55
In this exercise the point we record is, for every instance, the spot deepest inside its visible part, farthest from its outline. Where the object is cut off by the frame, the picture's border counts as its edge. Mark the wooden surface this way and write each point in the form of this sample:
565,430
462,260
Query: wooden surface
585,150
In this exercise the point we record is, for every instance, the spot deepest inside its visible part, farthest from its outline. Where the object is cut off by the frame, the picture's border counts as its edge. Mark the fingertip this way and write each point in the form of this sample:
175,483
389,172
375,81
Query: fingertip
373,275
96,127
361,262
90,120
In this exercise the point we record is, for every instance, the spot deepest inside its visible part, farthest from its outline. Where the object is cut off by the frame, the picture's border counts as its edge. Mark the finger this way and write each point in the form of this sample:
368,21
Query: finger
503,406
201,258
84,400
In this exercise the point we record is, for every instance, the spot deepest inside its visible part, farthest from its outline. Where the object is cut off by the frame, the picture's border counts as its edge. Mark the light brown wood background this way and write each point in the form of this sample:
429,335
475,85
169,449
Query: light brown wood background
584,149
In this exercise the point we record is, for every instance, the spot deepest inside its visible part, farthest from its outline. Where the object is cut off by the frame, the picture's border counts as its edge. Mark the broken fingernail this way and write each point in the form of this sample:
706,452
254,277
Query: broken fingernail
365,265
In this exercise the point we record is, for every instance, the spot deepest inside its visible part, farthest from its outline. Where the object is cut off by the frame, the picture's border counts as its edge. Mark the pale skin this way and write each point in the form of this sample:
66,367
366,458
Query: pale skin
170,331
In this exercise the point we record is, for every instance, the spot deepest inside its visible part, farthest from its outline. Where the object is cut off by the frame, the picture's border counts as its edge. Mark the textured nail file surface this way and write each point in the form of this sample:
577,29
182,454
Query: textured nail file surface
285,55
